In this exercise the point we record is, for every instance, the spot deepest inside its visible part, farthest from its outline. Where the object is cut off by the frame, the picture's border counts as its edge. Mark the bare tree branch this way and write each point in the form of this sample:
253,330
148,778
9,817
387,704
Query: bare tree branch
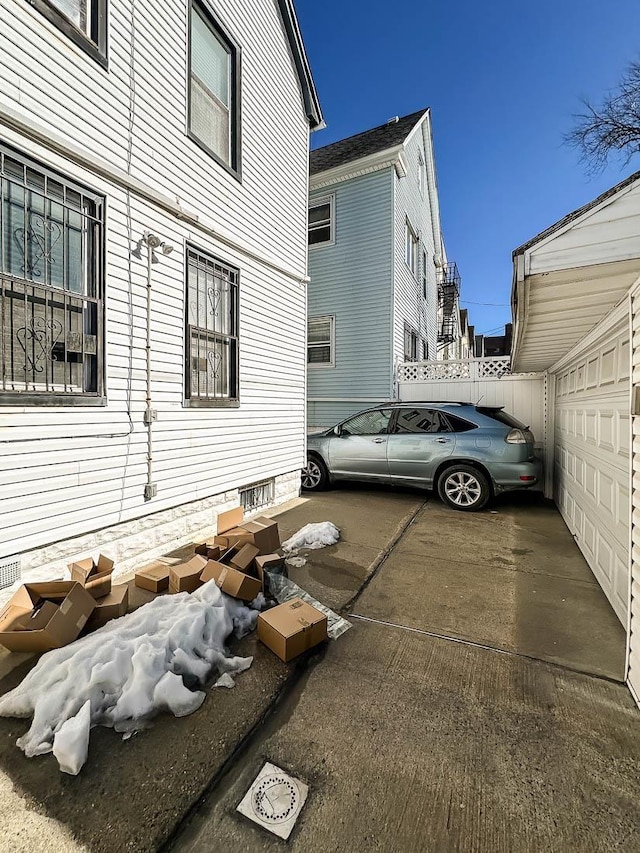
613,128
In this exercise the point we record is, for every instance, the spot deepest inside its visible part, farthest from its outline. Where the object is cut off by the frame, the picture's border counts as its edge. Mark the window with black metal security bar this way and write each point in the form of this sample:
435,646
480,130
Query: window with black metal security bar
51,301
212,331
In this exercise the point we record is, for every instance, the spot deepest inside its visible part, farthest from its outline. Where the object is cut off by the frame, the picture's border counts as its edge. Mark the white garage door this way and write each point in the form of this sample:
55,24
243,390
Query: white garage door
592,455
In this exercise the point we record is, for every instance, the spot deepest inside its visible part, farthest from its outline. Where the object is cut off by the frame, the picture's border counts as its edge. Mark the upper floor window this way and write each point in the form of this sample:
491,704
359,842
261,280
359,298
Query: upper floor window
214,72
83,21
212,331
321,221
51,310
411,249
320,341
421,174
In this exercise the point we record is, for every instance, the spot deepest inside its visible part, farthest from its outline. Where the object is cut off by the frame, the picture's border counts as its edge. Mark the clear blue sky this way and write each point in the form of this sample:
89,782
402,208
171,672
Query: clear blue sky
503,80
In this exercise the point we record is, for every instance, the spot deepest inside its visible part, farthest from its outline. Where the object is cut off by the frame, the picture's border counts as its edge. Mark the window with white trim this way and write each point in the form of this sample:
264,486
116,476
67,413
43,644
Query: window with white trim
51,300
411,249
212,331
410,343
320,341
213,89
321,221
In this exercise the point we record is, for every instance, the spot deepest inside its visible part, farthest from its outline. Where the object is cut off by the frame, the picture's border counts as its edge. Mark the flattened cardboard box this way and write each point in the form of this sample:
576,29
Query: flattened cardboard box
230,519
232,581
44,616
110,607
154,577
291,628
266,536
94,576
185,577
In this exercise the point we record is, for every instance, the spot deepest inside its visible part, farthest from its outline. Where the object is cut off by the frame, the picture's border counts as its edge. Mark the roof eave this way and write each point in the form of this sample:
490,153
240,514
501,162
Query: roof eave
308,90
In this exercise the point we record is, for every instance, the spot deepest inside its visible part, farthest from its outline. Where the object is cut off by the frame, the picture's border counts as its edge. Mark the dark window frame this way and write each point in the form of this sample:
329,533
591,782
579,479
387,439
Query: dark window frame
234,167
233,400
92,303
95,45
410,331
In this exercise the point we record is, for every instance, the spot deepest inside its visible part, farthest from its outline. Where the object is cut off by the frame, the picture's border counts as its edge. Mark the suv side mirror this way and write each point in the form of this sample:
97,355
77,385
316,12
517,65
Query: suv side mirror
337,430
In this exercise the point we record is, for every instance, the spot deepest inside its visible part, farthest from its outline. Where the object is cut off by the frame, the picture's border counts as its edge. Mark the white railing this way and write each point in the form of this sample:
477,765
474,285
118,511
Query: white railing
472,368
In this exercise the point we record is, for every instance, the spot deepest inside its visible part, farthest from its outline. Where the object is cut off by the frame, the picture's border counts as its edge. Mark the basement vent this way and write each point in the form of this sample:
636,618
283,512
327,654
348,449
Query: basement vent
9,573
256,496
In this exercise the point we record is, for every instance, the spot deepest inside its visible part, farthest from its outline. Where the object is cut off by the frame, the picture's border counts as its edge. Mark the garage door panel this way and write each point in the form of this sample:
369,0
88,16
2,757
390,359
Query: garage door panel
593,458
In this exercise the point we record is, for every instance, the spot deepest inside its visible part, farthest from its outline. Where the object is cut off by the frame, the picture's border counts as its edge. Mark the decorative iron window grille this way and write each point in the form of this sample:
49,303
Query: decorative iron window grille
256,496
51,240
212,331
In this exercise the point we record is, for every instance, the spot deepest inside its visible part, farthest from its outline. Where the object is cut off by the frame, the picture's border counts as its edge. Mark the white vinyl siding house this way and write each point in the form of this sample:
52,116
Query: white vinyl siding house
373,225
576,311
227,331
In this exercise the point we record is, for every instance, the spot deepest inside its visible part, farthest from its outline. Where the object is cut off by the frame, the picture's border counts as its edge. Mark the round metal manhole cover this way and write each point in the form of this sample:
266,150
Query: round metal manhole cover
275,799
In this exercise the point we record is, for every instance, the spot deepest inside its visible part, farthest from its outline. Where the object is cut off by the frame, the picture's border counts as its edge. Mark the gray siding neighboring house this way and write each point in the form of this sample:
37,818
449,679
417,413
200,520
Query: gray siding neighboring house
373,297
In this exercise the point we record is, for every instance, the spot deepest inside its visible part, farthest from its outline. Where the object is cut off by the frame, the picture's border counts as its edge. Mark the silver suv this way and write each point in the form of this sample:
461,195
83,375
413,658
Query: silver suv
467,452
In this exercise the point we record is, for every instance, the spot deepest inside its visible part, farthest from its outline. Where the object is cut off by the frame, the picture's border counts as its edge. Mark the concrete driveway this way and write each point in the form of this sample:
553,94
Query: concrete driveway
472,706
457,714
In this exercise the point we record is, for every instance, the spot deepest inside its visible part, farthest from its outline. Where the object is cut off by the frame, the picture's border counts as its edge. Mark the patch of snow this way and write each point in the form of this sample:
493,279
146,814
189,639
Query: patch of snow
71,741
259,602
312,536
296,562
225,680
132,668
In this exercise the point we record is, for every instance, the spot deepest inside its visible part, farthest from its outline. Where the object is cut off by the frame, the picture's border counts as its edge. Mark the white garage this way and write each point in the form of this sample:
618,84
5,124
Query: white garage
573,303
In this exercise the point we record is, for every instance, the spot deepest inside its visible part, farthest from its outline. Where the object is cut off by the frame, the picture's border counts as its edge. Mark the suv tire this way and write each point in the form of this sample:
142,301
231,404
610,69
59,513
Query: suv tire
315,476
464,487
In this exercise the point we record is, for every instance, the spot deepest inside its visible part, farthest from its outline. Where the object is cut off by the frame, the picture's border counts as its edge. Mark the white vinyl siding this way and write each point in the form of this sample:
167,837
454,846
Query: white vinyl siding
415,289
634,615
69,471
593,457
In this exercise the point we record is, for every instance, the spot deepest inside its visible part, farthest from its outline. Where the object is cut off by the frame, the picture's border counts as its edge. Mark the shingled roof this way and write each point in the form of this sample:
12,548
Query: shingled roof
362,144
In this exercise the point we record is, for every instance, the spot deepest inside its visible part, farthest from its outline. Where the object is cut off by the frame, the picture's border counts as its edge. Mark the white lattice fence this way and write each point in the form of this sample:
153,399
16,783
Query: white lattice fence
480,368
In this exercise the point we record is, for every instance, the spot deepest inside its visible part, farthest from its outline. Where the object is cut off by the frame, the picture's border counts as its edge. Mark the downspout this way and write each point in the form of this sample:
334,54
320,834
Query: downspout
150,489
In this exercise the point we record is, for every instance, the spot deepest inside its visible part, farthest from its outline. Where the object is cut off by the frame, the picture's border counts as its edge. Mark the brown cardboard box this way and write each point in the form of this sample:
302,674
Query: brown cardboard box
232,581
110,607
154,577
60,611
243,557
208,549
266,536
291,628
185,577
238,536
96,577
267,563
230,519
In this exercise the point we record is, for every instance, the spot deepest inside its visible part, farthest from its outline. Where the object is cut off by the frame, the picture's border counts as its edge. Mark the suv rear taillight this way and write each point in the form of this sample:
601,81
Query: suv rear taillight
516,436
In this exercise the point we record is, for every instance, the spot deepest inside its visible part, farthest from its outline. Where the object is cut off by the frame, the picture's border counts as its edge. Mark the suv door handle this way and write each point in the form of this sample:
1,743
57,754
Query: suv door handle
443,440
379,440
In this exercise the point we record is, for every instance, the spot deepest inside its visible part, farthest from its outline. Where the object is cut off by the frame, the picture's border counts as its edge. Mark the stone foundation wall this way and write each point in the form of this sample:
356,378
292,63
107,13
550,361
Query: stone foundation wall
134,543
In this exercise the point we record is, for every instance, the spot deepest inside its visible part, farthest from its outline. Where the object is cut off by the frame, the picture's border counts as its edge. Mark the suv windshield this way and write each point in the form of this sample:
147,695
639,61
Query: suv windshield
501,416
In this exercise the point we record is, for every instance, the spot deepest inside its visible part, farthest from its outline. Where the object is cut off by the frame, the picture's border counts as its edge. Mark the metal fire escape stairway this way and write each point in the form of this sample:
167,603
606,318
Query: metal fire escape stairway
448,293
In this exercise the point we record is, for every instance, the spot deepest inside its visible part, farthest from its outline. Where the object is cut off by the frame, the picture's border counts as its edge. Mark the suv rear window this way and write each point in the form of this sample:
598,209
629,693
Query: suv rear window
501,416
